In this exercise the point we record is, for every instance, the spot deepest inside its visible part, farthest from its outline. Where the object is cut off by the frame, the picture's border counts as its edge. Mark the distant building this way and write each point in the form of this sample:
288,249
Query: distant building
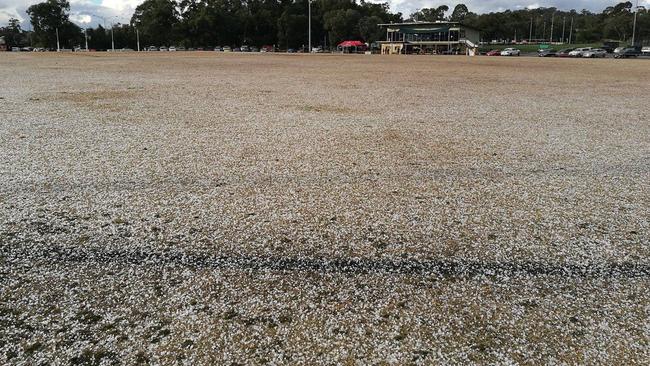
429,38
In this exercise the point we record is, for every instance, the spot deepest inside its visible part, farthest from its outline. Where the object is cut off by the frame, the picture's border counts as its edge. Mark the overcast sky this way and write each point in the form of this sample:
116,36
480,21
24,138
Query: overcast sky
85,12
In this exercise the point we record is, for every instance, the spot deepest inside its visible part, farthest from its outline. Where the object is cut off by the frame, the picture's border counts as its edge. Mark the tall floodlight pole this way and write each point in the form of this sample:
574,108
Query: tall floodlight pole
552,23
636,10
571,31
86,36
58,46
112,38
563,27
137,37
530,34
309,7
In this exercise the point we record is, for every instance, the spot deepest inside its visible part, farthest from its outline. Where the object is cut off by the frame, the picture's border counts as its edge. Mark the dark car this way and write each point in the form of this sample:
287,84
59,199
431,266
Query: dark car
547,53
629,52
494,53
564,52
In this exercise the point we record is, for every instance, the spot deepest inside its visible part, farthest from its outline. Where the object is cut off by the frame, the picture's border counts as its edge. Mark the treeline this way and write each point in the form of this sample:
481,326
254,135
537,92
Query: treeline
284,23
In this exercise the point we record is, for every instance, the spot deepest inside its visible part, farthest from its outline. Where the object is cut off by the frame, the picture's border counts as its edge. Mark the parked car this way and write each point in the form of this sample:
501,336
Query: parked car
245,48
218,49
181,48
610,46
317,49
595,53
564,52
494,53
255,49
291,50
645,51
162,48
227,49
152,48
579,51
510,52
172,49
629,52
547,53
237,49
15,49
267,48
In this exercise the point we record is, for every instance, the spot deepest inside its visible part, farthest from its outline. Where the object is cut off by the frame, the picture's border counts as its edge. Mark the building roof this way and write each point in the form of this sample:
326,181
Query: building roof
439,23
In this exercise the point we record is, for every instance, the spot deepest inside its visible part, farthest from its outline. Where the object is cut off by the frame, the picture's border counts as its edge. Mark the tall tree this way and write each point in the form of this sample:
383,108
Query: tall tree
459,13
430,14
157,21
48,17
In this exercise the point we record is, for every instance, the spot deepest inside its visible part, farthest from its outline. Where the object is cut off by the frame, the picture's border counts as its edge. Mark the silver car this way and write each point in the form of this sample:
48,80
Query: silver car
595,53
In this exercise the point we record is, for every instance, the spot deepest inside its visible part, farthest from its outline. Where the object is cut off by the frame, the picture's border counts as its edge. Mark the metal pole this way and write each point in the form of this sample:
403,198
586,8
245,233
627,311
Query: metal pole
137,36
636,10
571,31
563,27
112,39
530,35
309,6
86,36
58,47
552,23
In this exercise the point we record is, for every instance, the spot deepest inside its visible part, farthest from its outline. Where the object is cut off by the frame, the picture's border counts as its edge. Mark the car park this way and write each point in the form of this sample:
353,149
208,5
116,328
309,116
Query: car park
579,51
595,53
510,52
547,53
494,53
630,52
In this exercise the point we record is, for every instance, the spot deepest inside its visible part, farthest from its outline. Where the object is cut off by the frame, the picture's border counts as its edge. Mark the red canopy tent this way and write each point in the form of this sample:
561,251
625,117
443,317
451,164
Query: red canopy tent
351,46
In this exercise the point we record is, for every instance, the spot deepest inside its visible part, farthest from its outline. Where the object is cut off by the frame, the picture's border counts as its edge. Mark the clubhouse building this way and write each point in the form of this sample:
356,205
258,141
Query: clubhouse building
439,37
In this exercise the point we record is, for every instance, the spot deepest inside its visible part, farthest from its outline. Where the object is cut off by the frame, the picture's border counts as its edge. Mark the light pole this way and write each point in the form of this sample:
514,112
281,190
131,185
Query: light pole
530,35
309,7
563,28
552,24
58,46
137,37
86,37
636,11
571,31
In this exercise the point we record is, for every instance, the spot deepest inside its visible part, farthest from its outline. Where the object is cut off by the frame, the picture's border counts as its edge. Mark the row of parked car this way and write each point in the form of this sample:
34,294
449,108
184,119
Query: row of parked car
586,52
217,49
590,52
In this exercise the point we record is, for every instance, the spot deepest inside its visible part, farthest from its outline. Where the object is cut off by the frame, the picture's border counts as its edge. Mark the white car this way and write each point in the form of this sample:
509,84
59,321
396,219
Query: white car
645,51
172,49
596,52
579,51
618,50
510,52
163,48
